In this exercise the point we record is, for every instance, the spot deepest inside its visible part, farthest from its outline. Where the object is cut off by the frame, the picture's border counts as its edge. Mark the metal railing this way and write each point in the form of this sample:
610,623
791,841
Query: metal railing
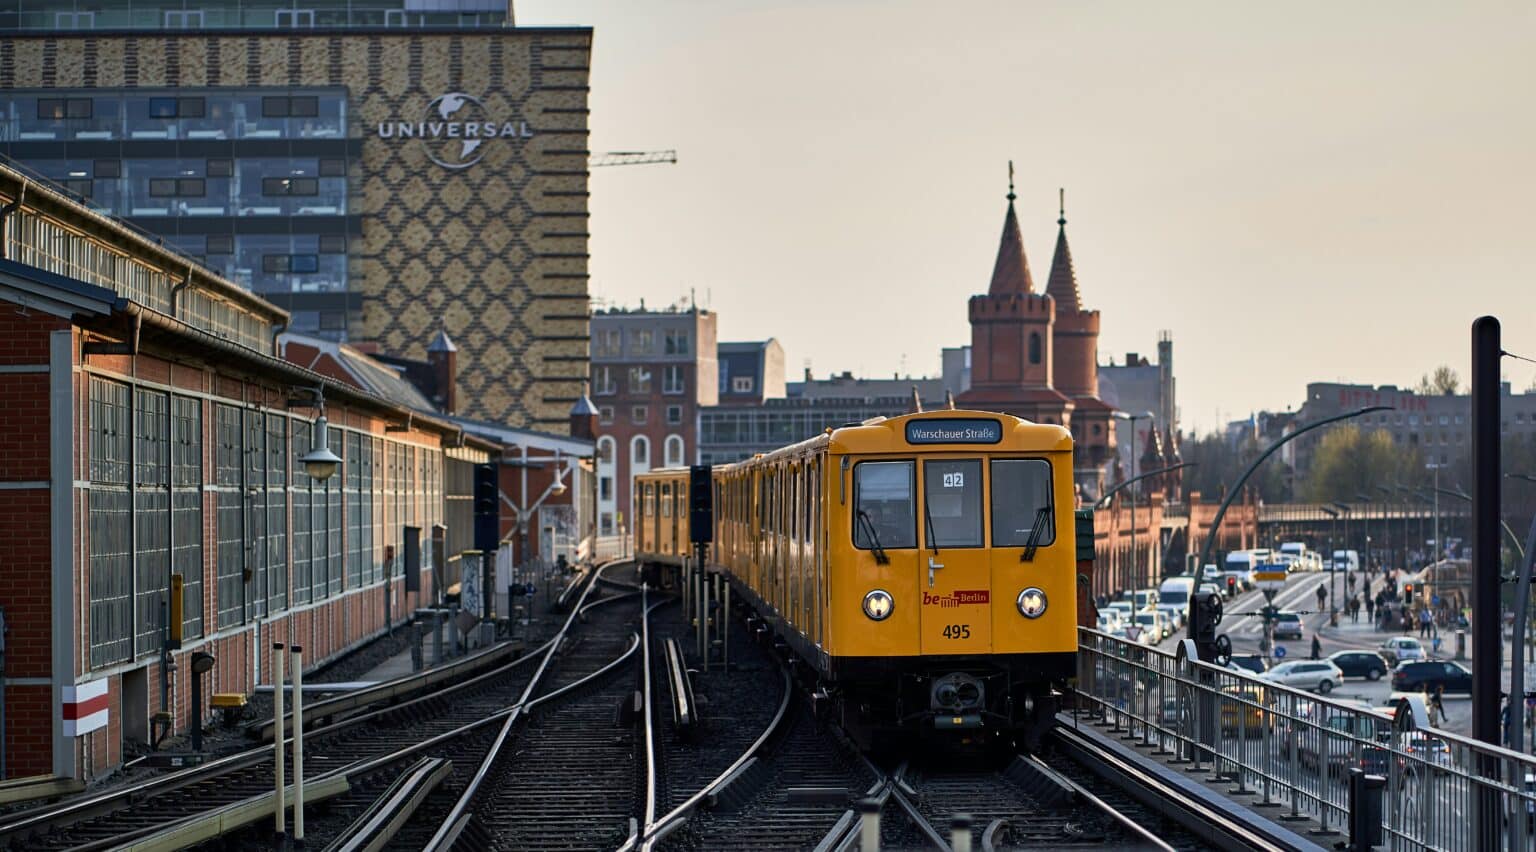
606,547
1289,753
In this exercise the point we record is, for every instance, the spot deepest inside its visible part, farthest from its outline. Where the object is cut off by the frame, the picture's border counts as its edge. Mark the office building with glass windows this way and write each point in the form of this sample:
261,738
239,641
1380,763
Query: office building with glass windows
381,169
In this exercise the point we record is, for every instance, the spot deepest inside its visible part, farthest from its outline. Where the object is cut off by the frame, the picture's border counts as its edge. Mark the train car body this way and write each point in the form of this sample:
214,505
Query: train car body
923,565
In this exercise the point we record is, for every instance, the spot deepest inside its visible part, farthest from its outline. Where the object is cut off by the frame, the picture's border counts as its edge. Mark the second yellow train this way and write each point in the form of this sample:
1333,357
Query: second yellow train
922,565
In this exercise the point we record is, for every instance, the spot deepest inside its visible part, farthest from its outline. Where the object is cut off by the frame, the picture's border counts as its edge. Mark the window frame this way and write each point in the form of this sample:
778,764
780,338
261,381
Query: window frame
1048,536
912,491
982,509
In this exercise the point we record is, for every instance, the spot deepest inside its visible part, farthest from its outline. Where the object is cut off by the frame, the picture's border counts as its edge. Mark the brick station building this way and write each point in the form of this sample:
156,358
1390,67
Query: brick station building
149,431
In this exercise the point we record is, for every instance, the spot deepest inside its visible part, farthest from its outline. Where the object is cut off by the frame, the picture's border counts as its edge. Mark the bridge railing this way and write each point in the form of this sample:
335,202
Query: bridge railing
1289,753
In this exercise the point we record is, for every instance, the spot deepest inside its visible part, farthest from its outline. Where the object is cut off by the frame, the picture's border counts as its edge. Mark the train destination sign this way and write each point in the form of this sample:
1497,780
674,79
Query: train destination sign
958,430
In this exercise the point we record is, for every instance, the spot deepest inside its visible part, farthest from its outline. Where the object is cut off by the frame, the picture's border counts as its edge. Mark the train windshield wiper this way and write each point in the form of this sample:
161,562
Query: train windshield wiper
1033,542
874,539
928,524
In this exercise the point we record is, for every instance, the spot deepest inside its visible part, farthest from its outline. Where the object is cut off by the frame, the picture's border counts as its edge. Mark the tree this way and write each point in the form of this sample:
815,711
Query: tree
1220,461
1349,462
1442,382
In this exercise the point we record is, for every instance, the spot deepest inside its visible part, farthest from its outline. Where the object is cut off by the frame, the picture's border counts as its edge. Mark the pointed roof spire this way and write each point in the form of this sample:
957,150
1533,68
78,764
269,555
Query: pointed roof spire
1062,285
1010,273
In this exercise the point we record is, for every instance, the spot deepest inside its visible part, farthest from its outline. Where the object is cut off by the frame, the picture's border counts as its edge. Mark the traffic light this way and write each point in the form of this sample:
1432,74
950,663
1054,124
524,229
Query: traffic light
1204,615
701,504
1231,585
1408,592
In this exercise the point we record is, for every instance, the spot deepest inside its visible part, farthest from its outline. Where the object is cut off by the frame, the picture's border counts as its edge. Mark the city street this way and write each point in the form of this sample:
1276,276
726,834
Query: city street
1243,624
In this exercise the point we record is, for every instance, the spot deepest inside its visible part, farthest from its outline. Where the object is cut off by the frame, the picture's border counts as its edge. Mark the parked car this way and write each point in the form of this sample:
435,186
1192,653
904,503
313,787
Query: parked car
1288,626
1366,664
1344,735
1431,675
1319,675
1253,663
1154,622
1424,750
1400,649
1242,711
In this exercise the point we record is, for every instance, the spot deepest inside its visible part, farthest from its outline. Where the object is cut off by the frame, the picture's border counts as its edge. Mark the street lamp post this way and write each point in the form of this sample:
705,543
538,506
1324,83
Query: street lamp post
1367,500
1135,573
1333,574
1387,520
1438,551
1333,529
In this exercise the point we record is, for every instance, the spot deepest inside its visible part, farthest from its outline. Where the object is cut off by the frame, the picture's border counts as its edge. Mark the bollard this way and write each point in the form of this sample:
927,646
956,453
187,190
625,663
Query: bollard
725,631
869,825
298,746
1365,795
279,734
960,833
1461,644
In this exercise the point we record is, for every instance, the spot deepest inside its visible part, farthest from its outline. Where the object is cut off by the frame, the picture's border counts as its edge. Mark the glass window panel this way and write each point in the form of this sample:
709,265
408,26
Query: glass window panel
952,502
162,107
884,504
1021,494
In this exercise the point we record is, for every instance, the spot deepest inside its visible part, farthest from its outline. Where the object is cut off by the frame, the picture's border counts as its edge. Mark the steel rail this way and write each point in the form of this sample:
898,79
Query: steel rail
453,824
1202,820
52,817
657,830
1125,822
107,802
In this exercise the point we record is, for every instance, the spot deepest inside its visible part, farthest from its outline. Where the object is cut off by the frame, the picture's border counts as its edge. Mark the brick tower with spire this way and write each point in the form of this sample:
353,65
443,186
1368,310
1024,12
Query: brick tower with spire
1075,339
1011,339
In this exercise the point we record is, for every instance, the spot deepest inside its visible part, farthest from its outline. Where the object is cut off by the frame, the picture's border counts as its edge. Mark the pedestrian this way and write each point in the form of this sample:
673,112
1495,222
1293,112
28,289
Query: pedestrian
1322,595
1354,610
1424,623
1438,705
1370,610
1317,648
1386,616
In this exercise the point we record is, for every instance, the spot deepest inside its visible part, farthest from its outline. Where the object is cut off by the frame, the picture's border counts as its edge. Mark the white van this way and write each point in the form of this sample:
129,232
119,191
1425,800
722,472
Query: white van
1173,599
1345,560
1294,554
1240,565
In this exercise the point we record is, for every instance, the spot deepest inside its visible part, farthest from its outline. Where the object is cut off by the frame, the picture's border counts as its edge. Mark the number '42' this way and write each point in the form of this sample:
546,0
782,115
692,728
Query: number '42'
957,631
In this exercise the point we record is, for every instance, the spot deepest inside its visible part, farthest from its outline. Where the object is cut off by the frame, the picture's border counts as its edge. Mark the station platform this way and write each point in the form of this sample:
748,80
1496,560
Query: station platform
1271,820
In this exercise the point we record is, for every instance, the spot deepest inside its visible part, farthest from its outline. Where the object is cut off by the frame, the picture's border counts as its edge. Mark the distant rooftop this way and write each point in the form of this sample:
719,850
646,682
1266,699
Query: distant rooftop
59,16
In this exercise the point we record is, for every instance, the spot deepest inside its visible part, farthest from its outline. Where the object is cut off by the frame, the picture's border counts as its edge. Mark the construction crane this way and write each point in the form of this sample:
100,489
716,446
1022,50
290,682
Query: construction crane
633,158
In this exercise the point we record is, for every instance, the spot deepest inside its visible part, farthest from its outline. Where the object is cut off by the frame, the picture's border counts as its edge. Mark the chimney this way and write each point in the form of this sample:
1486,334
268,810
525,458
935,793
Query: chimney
444,358
584,417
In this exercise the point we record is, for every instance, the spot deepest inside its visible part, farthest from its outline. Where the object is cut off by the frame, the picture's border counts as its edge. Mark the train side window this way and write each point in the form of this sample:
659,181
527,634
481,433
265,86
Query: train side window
1020,489
884,495
952,497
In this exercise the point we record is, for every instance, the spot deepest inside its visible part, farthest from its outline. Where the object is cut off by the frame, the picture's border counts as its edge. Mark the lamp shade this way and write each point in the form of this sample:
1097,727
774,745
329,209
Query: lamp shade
320,463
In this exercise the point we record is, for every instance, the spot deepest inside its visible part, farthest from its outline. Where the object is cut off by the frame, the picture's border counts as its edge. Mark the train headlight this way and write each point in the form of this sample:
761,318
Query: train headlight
1031,603
878,604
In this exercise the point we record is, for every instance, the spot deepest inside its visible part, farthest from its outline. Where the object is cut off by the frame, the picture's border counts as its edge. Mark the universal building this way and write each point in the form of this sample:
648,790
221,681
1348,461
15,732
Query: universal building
380,169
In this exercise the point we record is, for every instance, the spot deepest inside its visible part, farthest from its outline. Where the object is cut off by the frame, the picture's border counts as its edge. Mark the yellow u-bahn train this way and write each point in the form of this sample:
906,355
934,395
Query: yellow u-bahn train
922,565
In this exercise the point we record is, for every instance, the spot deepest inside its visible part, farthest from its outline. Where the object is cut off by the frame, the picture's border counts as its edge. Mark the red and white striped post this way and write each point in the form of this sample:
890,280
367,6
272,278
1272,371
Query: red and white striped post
279,731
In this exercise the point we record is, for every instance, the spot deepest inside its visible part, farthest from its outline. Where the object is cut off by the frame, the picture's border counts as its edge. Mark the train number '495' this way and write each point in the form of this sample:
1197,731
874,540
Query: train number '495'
957,631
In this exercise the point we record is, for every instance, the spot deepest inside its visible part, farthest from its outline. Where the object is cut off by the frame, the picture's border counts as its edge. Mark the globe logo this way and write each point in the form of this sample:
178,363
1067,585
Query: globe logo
455,130
455,111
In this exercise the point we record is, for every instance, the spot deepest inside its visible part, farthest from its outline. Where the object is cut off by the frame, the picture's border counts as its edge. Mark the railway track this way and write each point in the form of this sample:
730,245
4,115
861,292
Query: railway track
561,772
367,749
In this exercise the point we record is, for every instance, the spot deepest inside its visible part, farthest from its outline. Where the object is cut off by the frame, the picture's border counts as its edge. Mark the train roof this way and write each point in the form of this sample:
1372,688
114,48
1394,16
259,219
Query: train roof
949,429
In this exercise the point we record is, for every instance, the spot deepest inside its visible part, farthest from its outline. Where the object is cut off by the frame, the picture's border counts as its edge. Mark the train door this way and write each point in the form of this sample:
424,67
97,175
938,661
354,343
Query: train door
954,570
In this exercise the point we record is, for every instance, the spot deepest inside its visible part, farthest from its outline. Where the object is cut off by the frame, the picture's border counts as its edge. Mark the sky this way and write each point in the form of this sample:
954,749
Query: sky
1300,191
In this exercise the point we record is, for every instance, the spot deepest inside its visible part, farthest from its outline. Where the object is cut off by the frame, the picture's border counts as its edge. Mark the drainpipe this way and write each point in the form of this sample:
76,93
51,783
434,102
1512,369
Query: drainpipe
277,331
5,216
186,281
